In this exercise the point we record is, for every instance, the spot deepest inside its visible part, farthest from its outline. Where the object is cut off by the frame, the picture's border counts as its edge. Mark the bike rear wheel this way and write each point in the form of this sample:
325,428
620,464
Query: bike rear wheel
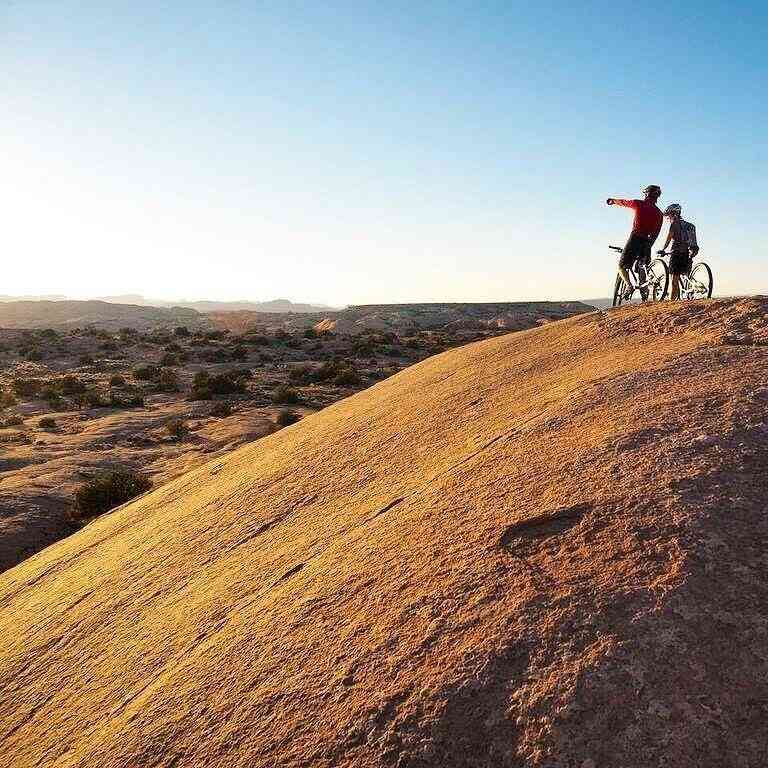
658,280
700,282
618,291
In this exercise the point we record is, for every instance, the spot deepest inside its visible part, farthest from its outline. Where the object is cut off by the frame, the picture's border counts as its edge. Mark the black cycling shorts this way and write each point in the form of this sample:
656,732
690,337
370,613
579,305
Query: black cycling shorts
638,248
680,262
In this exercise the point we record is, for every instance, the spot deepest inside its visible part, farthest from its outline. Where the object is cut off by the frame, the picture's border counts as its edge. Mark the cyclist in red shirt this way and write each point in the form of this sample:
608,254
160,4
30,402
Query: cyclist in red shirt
645,230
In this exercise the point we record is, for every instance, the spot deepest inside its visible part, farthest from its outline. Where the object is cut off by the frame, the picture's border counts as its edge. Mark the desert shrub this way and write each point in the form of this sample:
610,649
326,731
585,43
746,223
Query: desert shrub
47,422
71,385
117,381
221,410
181,332
300,373
13,421
257,339
218,355
328,370
347,377
339,371
215,335
34,355
27,388
158,337
201,389
91,398
56,402
86,360
363,347
126,400
287,417
285,395
109,490
146,372
239,354
109,346
293,343
310,333
229,383
178,429
170,360
48,392
48,334
201,379
7,399
168,381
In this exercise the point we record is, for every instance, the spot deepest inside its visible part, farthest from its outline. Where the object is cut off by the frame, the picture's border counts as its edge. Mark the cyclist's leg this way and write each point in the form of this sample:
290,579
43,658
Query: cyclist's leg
675,287
678,265
627,262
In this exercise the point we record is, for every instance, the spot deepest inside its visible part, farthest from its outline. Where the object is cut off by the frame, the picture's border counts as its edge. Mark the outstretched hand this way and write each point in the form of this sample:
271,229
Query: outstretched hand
610,201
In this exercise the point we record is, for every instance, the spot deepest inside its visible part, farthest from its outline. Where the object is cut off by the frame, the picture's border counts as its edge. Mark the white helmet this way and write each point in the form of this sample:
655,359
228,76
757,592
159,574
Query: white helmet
675,209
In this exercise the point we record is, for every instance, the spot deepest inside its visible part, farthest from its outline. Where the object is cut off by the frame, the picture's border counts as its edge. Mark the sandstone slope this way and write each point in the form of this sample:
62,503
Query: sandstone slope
545,549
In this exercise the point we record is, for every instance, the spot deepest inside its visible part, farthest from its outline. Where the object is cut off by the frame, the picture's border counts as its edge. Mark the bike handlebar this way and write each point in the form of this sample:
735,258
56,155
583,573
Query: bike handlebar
616,248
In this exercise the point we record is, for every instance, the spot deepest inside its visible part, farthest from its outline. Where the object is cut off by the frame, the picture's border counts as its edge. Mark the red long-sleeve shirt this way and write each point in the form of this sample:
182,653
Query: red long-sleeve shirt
648,217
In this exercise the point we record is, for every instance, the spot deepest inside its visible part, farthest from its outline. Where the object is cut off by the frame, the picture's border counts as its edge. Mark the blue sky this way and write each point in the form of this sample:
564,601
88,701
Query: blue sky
352,151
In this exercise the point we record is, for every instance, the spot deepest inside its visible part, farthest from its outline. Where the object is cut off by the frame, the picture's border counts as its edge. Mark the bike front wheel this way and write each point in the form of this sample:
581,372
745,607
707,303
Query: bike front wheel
658,280
700,282
618,291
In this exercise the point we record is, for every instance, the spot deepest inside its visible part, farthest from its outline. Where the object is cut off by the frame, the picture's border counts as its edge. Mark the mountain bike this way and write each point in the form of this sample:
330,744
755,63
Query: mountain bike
651,282
697,284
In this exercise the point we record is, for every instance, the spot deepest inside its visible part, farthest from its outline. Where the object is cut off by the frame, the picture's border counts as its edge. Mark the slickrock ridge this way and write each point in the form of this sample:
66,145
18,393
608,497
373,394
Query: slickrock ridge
544,549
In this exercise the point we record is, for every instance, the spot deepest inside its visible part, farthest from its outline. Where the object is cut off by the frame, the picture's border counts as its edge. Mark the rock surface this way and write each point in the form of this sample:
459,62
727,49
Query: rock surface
545,549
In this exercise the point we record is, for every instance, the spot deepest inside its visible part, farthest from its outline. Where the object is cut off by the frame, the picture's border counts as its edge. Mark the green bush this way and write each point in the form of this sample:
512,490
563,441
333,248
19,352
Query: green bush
109,490
13,421
181,332
221,410
146,372
178,429
239,354
287,417
168,381
170,360
47,422
285,395
91,398
217,355
117,381
310,333
229,383
126,400
27,388
300,373
71,385
347,377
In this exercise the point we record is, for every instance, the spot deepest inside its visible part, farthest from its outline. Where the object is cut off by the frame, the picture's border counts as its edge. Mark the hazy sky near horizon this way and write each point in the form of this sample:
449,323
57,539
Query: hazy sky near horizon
349,152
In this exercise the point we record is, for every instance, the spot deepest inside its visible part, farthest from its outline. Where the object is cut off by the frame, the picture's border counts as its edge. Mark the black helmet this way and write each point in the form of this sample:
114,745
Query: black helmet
653,189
